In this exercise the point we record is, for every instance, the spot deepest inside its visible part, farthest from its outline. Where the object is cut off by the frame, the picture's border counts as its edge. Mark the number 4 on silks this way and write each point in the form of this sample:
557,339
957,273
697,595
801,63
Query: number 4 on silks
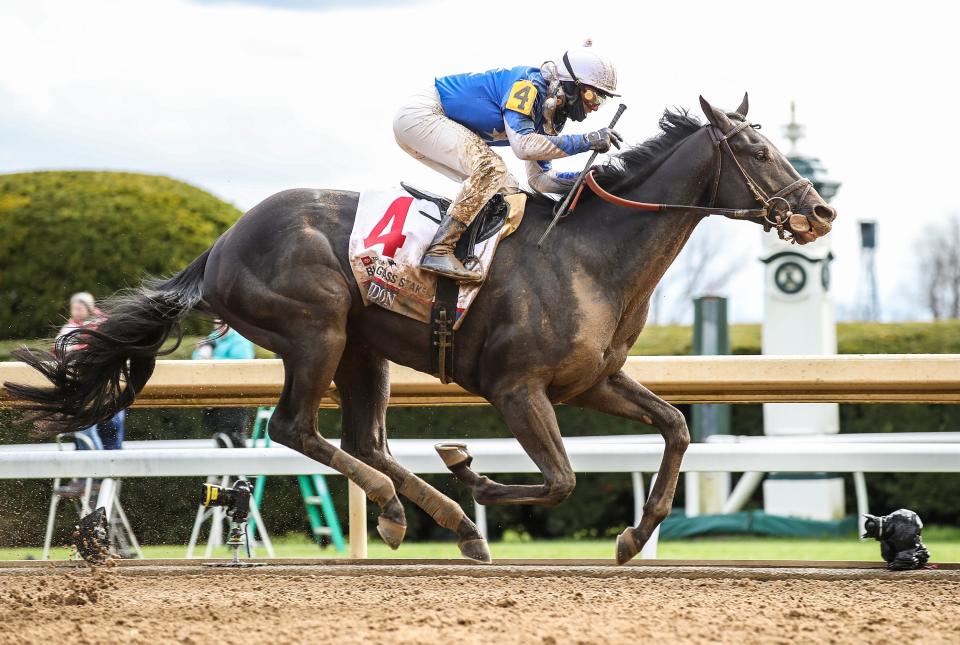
395,218
522,96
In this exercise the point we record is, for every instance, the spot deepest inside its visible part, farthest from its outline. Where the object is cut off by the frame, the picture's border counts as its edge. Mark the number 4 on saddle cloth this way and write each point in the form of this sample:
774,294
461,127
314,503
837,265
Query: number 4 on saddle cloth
393,229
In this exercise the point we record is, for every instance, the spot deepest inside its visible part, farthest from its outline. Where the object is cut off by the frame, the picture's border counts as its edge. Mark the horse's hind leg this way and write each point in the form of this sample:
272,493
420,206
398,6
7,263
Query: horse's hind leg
530,416
309,372
363,385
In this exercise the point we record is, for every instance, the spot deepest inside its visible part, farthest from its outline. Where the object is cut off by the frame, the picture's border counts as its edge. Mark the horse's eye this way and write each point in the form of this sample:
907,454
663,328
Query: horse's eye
761,154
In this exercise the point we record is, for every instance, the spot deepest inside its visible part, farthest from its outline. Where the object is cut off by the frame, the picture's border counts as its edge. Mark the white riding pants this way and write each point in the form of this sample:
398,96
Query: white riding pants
428,135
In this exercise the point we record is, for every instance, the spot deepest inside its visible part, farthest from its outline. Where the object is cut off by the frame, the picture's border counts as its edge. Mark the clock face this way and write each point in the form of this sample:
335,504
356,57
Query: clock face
790,277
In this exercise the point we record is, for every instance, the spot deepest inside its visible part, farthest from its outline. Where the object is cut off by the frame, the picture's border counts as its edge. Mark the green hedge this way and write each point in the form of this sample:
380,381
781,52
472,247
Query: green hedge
941,337
68,231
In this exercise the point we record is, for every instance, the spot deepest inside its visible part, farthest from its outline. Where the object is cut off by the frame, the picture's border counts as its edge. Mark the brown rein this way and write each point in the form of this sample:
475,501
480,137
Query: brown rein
778,221
602,193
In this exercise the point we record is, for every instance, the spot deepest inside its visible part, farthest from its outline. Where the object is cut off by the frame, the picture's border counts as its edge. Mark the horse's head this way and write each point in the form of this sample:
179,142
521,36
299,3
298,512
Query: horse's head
751,170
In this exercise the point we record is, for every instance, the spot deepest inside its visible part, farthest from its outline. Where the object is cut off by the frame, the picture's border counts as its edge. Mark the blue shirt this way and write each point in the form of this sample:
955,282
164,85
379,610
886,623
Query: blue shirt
230,345
487,102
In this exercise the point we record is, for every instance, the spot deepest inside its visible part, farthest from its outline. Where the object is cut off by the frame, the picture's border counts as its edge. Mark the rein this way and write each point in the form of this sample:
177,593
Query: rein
772,217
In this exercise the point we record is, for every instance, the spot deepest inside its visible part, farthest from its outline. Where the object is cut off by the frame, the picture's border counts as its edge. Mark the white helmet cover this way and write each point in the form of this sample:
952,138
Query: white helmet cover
583,65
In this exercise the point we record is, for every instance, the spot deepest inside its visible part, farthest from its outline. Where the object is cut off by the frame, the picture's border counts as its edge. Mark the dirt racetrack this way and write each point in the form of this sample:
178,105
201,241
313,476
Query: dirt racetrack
464,604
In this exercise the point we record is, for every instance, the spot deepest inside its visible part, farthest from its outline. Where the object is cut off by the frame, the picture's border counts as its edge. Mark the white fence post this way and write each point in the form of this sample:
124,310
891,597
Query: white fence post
480,513
649,550
863,505
357,501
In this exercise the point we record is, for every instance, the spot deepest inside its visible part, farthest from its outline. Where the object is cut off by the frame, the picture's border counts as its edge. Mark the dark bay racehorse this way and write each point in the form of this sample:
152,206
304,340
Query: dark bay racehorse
552,325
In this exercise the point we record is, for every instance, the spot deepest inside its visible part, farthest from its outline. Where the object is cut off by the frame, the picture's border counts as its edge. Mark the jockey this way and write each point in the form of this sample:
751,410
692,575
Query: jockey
451,125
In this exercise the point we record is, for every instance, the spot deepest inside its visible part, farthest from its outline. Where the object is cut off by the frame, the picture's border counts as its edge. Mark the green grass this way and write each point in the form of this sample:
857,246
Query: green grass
943,542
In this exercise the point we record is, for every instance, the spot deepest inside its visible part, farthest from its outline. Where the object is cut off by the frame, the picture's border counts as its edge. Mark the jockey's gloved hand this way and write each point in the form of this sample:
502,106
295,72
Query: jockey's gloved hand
602,140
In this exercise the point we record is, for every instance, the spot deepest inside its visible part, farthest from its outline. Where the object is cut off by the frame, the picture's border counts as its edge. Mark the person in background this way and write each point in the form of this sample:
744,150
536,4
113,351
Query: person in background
83,314
107,435
226,343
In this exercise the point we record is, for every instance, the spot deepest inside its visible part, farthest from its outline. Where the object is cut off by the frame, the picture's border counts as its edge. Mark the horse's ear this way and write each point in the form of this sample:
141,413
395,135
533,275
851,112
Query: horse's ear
716,117
744,106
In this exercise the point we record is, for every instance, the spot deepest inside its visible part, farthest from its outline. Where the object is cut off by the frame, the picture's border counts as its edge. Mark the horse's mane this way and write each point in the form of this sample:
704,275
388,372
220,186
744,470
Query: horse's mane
631,167
634,165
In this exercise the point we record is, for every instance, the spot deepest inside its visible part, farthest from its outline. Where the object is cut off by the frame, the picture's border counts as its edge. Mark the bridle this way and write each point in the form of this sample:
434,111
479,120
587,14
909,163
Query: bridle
775,210
722,142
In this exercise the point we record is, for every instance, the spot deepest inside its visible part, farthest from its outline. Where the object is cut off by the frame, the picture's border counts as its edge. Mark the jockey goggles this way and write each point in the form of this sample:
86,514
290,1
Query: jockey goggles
580,97
592,97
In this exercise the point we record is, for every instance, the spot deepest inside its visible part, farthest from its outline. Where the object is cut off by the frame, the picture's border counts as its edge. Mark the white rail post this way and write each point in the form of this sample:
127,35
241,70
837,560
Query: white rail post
649,550
357,501
742,492
639,497
480,513
863,505
692,496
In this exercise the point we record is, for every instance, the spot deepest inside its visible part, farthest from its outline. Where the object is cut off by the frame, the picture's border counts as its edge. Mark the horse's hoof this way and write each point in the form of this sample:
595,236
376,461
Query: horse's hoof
475,549
391,532
453,454
626,546
92,537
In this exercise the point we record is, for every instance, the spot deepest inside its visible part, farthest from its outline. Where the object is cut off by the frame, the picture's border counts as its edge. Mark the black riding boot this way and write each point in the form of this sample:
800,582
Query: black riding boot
440,259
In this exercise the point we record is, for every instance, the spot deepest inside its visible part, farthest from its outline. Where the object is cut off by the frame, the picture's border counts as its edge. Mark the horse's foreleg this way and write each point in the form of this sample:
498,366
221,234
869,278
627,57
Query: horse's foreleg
530,416
620,395
363,384
294,424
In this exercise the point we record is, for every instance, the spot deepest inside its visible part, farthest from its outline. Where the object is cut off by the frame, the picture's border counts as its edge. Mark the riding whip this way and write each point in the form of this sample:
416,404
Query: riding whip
564,204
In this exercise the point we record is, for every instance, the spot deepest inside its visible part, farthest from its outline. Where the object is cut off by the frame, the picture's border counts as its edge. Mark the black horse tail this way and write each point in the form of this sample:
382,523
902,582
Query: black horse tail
97,372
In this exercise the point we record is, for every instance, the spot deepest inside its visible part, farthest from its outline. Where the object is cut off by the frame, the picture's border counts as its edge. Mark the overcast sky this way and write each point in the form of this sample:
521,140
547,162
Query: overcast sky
248,98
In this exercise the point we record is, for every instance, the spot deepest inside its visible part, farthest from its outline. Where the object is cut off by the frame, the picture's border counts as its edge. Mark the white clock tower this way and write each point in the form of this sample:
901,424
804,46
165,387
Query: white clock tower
798,319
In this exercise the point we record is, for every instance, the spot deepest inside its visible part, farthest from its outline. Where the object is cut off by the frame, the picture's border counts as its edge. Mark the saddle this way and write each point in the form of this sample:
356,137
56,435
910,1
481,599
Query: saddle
485,225
443,314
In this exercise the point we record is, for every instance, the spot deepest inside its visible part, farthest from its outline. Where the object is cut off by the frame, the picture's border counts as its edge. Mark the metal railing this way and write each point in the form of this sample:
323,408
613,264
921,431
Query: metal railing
905,378
587,454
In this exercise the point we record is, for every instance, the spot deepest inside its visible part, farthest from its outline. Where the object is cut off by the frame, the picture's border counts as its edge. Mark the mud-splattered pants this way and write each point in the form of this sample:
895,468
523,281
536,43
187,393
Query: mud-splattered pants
428,135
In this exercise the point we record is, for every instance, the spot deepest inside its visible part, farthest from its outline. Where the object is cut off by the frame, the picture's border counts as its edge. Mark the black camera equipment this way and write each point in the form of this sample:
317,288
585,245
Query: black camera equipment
899,537
236,502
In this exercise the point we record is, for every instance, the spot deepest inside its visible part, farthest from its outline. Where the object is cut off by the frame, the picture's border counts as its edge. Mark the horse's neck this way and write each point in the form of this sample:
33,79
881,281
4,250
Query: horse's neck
642,246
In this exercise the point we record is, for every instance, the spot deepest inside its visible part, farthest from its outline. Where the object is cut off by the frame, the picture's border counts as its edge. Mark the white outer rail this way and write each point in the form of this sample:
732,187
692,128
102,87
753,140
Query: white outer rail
747,484
493,456
587,454
851,437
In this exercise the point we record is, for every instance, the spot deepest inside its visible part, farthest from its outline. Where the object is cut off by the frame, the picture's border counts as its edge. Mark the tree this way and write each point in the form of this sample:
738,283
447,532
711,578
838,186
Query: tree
704,267
938,257
67,231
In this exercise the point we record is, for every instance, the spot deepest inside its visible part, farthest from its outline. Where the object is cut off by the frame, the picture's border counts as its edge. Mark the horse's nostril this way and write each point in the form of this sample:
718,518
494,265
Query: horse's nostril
825,211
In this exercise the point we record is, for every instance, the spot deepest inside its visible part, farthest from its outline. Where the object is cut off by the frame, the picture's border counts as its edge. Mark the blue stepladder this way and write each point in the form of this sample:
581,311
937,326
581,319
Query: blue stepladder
316,496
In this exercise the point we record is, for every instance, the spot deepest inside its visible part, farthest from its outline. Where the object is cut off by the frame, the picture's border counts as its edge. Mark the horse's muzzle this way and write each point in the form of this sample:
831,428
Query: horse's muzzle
807,228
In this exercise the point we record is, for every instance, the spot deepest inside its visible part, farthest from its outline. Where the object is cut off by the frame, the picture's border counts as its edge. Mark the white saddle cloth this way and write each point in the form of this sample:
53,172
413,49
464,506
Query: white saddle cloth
391,232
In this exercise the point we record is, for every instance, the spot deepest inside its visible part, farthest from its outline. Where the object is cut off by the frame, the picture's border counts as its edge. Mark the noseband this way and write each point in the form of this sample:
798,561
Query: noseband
775,210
